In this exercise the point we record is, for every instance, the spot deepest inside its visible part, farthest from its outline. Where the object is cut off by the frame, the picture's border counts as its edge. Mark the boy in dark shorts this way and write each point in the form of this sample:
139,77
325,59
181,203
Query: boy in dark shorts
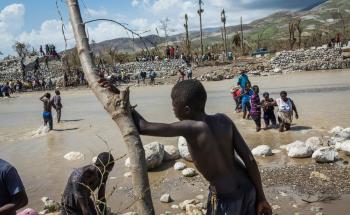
47,114
269,110
57,104
255,111
83,182
235,188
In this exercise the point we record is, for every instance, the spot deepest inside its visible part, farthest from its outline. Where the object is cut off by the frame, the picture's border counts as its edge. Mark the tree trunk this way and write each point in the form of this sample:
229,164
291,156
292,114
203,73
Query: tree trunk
119,108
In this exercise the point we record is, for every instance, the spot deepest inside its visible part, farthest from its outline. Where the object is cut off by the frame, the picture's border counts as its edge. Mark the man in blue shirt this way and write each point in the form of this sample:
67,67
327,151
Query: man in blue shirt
12,193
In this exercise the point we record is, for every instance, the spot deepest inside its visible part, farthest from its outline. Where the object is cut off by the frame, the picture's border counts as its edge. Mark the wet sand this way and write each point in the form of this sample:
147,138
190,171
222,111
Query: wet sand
321,98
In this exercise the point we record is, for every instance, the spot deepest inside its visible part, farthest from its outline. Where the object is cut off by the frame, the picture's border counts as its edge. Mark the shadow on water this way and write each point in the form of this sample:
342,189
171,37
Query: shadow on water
300,128
66,129
72,120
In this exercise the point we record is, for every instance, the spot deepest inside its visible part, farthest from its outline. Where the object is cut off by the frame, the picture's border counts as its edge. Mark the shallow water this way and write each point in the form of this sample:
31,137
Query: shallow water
322,99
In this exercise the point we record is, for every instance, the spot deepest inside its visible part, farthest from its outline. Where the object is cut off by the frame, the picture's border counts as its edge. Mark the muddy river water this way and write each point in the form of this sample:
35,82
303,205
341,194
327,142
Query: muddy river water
322,98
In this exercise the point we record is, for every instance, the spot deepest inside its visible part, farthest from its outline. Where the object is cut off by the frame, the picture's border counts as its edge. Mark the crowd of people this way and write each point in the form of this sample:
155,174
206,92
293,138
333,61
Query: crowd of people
248,101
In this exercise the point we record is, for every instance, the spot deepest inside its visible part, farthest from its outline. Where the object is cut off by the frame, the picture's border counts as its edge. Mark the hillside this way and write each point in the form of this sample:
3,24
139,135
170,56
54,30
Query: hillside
322,17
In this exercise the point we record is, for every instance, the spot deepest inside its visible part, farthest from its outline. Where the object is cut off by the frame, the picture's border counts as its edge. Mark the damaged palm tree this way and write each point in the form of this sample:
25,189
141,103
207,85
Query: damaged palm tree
118,106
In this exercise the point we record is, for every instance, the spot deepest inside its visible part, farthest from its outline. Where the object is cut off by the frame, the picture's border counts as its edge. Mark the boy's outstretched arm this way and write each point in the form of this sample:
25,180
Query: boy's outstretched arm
263,207
184,128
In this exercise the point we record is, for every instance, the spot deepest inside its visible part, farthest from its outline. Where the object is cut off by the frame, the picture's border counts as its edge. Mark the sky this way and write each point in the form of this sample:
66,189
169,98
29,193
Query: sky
37,22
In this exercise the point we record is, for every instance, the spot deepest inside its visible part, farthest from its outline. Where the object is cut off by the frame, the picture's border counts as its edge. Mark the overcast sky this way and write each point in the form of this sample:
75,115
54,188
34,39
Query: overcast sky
38,22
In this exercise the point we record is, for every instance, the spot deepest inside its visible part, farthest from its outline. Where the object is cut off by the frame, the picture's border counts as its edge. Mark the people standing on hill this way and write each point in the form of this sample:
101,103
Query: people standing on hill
41,50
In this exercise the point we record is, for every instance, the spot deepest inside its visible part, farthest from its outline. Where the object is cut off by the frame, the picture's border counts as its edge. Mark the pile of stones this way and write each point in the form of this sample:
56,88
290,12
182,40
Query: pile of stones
308,60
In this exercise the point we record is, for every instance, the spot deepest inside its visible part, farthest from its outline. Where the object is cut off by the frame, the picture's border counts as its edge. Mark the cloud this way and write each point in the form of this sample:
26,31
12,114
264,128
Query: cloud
11,18
102,12
135,3
163,5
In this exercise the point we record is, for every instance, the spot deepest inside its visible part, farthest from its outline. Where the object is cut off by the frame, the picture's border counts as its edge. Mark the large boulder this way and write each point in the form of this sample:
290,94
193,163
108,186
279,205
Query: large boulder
314,143
301,151
336,130
262,150
154,153
325,155
171,153
183,149
345,133
293,144
345,146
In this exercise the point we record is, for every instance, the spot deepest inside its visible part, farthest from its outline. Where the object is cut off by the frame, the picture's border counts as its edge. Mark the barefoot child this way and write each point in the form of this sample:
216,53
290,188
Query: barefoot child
246,100
58,104
286,107
236,94
255,111
83,182
234,188
47,114
269,110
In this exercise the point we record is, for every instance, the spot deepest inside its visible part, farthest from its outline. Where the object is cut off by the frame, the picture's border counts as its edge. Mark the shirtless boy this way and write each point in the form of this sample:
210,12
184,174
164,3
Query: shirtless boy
235,188
47,114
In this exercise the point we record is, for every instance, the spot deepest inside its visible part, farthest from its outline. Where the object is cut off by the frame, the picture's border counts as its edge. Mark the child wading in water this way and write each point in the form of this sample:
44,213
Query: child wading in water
269,110
47,114
246,101
235,188
286,107
83,182
57,104
255,110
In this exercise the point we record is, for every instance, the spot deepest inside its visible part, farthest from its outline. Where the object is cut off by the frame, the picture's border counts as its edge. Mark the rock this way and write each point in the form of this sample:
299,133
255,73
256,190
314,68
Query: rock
315,209
154,153
345,133
189,172
93,160
200,197
325,155
193,210
72,156
127,174
183,149
179,166
277,70
315,174
171,153
262,150
183,204
293,144
174,206
276,151
336,130
127,162
345,146
300,152
275,207
50,205
314,143
130,213
165,198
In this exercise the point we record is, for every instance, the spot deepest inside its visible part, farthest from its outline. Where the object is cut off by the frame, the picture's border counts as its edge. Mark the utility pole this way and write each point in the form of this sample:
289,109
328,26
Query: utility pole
242,39
223,20
187,36
164,27
200,11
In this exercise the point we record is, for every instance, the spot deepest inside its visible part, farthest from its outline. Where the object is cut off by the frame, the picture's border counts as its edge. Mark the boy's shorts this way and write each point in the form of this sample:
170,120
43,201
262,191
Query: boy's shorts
240,203
245,105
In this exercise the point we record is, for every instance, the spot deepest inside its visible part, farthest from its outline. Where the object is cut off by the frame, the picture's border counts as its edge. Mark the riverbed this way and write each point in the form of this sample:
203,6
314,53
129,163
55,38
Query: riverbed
322,99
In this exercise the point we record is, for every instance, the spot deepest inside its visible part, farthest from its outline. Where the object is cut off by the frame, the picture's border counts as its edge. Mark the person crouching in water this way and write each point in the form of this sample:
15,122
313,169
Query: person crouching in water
58,104
255,111
47,114
286,107
269,110
81,185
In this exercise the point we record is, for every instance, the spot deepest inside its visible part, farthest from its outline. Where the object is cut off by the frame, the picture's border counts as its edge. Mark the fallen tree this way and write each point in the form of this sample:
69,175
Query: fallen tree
118,106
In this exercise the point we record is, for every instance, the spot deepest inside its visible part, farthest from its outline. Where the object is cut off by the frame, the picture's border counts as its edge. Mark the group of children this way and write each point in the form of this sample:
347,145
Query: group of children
248,101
